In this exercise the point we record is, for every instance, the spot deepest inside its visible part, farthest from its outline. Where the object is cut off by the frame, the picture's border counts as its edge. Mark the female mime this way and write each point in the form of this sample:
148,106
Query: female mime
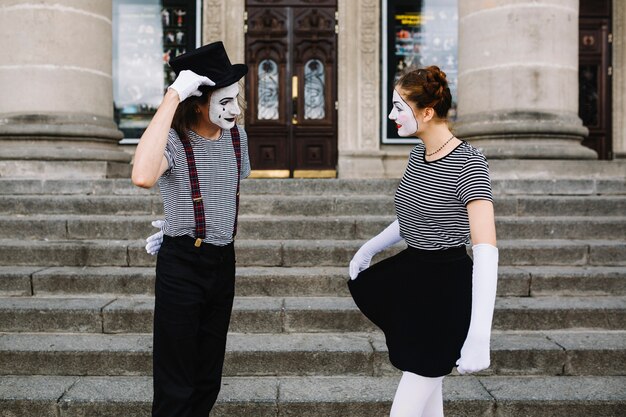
198,154
434,305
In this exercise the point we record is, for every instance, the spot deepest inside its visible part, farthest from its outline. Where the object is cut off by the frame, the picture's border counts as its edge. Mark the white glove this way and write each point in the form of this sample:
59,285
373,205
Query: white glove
153,242
187,84
383,240
475,350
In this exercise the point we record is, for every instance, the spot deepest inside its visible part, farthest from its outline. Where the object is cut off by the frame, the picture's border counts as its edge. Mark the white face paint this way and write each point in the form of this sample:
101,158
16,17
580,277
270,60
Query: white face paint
223,106
402,114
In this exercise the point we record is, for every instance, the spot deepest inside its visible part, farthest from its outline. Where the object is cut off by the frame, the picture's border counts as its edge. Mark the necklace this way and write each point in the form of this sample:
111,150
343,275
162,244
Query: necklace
442,146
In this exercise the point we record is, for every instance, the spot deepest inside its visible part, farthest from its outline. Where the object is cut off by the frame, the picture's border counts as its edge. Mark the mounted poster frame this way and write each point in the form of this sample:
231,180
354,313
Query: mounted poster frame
417,33
146,34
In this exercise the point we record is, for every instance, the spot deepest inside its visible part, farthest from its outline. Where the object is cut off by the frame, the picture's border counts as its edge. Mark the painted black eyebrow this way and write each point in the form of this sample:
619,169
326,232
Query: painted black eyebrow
229,98
407,104
403,101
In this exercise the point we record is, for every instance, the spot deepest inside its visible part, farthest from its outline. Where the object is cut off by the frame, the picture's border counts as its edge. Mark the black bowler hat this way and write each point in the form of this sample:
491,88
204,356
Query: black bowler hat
211,61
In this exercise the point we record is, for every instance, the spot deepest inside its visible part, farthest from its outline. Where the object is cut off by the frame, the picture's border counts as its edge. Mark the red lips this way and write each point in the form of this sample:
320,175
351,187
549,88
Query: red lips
398,126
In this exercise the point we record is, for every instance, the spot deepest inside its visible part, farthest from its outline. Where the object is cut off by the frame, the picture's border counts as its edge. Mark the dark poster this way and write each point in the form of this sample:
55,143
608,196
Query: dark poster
146,34
418,33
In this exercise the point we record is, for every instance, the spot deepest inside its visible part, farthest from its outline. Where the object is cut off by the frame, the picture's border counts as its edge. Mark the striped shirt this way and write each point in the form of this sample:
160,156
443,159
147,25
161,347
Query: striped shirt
432,196
217,174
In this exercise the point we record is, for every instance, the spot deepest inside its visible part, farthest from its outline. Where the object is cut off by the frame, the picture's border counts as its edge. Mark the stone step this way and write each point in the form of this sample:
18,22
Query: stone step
82,204
109,314
17,252
77,227
609,185
320,396
561,228
57,187
298,354
248,186
298,281
319,205
596,205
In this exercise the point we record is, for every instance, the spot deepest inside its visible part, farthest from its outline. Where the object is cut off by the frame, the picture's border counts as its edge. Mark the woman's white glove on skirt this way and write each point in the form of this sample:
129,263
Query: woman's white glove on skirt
475,350
363,257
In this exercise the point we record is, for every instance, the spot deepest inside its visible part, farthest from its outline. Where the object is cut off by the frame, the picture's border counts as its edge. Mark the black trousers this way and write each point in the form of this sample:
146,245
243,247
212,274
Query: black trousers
194,293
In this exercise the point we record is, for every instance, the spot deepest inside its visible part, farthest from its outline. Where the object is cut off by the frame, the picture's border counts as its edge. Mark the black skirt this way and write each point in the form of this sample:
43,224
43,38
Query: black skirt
422,301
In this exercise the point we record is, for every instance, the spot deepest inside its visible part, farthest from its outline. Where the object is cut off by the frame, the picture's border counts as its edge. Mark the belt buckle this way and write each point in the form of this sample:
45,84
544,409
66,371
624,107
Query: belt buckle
198,242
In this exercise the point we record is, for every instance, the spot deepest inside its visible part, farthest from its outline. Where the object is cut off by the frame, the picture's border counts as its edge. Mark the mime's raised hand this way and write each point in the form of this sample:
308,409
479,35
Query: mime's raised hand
187,84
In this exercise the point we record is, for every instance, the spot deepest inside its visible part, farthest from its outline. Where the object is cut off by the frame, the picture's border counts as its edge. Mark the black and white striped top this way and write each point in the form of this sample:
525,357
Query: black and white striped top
432,197
217,174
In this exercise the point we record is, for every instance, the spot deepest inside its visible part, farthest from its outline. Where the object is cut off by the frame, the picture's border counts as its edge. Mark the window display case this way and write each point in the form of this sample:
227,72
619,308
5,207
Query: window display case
417,33
146,34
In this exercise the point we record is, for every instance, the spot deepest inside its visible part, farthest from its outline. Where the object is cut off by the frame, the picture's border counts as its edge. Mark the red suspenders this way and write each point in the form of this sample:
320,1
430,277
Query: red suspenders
234,133
196,196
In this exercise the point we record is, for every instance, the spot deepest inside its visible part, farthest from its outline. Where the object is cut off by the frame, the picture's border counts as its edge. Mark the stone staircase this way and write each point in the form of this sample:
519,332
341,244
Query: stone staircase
76,301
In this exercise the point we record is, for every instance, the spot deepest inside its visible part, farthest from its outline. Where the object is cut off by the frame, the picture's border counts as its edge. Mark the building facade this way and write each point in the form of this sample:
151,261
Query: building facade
532,80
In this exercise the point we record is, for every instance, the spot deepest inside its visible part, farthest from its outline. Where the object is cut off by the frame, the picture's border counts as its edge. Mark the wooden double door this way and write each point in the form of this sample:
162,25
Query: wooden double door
595,74
291,91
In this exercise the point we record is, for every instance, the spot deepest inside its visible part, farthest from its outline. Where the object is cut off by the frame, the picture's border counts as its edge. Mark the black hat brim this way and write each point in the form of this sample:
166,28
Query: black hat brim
237,72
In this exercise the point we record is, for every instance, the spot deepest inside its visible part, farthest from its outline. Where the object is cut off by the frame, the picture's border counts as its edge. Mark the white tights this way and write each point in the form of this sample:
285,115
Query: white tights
418,396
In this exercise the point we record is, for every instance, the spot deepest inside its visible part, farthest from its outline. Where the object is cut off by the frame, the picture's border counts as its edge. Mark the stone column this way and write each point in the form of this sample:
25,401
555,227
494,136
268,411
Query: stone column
56,115
358,89
518,79
223,20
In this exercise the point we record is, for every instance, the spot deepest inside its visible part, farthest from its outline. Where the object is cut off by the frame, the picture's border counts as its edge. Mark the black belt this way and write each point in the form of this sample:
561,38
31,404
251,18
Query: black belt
188,241
439,255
